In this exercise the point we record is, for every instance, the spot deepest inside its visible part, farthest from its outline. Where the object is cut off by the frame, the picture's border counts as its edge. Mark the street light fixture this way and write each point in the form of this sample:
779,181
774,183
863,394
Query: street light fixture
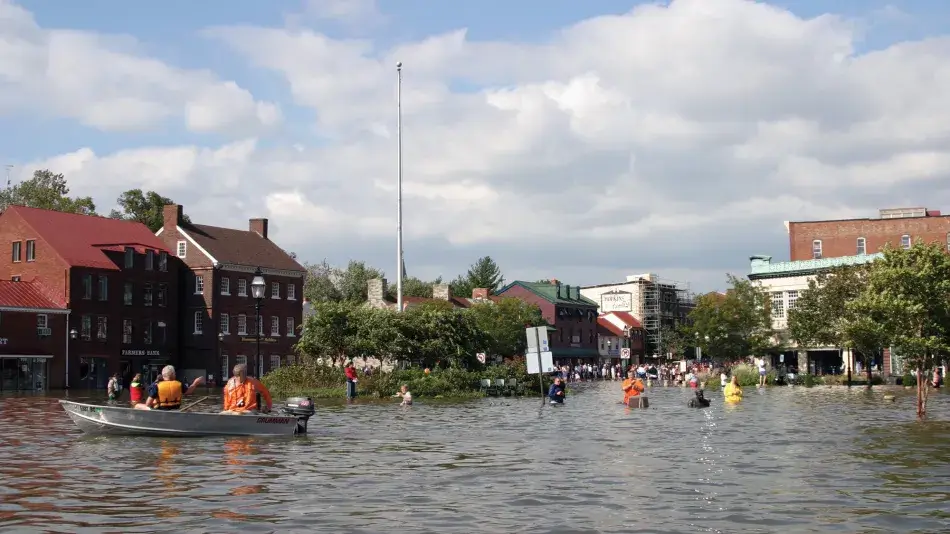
257,291
73,334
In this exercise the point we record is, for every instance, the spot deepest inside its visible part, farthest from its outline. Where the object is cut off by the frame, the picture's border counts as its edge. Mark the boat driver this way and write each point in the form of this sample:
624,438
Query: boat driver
243,394
166,393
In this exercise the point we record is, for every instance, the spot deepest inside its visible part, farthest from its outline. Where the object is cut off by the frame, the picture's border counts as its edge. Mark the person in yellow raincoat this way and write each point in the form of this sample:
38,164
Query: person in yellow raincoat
733,392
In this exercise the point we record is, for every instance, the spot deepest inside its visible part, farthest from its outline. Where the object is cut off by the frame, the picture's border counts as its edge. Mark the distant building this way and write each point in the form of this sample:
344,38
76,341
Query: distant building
378,288
620,338
33,338
900,227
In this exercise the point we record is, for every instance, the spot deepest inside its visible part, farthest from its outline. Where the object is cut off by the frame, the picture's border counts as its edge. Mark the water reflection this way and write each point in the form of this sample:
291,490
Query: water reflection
783,460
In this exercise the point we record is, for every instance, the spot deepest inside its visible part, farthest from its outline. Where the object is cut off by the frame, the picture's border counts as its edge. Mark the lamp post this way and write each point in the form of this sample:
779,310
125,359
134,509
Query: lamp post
224,368
257,291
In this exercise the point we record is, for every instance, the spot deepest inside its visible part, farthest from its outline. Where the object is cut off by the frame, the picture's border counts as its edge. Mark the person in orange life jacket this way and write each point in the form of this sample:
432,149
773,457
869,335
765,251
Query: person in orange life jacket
166,394
632,386
242,391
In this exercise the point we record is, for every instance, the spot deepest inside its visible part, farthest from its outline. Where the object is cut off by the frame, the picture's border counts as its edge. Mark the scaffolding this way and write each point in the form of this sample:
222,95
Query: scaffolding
661,303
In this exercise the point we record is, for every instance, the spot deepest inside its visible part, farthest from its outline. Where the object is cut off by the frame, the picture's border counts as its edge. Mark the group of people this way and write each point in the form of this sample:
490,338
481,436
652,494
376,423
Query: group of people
242,393
632,387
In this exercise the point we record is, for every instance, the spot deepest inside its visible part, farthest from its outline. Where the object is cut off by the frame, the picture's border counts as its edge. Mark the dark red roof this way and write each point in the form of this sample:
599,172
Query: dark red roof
628,319
241,247
605,327
25,295
81,240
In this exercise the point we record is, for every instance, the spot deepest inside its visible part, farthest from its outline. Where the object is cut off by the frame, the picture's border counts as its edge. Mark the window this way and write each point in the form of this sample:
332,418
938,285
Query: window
30,250
905,241
149,260
163,261
147,333
225,286
242,287
778,304
290,359
16,251
225,370
242,325
199,284
42,325
127,331
86,327
15,278
290,327
862,246
816,249
275,290
274,361
162,295
127,294
129,257
102,329
792,297
275,326
240,359
291,292
87,286
225,323
147,295
182,249
199,317
103,287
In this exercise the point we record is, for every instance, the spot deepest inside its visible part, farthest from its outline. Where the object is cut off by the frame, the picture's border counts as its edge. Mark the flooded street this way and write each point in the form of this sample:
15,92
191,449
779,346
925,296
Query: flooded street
785,460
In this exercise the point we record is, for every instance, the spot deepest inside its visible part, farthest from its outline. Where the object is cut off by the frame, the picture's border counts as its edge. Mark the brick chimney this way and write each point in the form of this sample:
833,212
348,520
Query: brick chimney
480,293
258,226
440,292
376,293
171,216
567,293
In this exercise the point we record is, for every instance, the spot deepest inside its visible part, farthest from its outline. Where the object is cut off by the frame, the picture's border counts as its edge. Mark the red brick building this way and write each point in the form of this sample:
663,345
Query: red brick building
115,278
850,237
33,338
617,331
218,323
572,316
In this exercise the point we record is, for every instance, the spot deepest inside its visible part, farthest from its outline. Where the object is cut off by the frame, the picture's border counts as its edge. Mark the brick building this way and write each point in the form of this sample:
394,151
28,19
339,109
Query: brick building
572,316
115,278
377,292
617,331
33,339
218,313
900,227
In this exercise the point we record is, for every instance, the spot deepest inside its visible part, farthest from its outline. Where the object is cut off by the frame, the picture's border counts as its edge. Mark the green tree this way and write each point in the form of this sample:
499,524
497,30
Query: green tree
673,341
733,325
352,282
48,191
331,332
321,283
146,208
504,322
414,287
484,273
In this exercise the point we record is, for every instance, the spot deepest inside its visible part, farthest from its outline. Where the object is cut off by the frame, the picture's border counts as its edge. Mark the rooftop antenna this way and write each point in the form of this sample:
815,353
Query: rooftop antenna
9,168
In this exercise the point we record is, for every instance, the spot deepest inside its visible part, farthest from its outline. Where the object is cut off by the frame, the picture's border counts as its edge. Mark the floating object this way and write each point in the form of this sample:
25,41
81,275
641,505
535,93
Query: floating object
889,398
639,401
113,420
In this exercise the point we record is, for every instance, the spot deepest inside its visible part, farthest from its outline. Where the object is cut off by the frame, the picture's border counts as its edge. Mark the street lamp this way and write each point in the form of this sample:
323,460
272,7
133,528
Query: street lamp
257,291
224,368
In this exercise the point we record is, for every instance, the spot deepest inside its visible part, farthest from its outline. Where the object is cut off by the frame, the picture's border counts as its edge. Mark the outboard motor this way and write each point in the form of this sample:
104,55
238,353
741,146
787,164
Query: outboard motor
302,408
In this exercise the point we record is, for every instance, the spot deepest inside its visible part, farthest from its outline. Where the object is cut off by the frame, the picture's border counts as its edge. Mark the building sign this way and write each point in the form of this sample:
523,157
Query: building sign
616,301
263,340
141,352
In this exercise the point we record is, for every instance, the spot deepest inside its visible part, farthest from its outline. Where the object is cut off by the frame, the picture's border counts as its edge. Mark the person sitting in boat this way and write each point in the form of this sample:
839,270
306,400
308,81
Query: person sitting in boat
166,394
242,391
556,393
136,389
632,387
406,396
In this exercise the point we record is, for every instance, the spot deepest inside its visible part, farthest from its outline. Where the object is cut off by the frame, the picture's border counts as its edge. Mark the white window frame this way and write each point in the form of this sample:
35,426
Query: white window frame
906,242
862,246
275,290
226,286
102,328
274,358
239,359
225,324
291,329
291,291
225,369
778,304
242,287
182,249
30,250
242,324
17,251
42,320
291,359
274,326
816,250
127,333
199,284
791,298
199,322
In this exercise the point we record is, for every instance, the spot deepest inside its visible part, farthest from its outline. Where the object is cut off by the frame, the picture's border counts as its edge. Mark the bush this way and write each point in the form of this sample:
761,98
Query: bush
908,379
807,380
748,375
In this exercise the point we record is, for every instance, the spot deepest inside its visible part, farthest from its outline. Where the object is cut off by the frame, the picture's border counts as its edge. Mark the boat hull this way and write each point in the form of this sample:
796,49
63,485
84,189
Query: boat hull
114,420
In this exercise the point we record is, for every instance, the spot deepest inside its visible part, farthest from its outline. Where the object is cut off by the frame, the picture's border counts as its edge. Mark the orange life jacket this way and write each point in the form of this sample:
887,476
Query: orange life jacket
243,397
169,395
632,387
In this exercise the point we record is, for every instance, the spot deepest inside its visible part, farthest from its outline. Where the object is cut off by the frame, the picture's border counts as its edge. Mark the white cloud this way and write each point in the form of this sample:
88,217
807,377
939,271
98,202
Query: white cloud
673,138
106,83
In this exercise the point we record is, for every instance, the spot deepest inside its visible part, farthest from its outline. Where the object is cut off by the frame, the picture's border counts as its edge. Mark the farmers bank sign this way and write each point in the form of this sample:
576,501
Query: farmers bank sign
616,301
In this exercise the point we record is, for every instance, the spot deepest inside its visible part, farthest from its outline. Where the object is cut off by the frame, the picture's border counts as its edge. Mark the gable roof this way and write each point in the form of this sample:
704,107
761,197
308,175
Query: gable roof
240,247
549,293
26,297
607,328
82,240
627,318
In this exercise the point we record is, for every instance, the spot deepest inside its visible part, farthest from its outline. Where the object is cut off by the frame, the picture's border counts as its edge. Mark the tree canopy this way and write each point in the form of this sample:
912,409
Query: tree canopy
733,325
144,207
484,273
46,190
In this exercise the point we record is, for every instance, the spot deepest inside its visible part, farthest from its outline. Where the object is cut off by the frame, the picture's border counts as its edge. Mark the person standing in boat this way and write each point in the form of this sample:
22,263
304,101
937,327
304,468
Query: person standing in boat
167,393
351,380
243,394
136,389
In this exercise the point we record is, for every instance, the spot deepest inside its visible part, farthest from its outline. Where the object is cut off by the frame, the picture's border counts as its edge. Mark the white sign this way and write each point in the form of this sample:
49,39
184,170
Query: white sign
616,301
481,357
547,363
625,353
537,338
139,352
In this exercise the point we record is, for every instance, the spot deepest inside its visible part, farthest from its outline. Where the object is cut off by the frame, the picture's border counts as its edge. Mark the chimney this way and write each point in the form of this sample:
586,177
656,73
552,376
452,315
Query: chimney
376,292
440,291
567,294
480,293
172,216
258,226
578,288
558,285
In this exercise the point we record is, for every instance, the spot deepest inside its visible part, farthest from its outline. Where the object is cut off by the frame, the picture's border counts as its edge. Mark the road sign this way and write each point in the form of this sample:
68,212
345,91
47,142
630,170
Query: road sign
625,354
546,363
481,357
537,338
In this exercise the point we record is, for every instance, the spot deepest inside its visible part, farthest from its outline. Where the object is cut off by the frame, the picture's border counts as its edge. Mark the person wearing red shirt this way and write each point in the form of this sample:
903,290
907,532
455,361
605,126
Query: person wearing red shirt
351,380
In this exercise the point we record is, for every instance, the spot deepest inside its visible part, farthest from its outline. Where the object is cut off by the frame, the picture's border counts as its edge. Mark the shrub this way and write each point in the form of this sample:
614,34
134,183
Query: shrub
748,375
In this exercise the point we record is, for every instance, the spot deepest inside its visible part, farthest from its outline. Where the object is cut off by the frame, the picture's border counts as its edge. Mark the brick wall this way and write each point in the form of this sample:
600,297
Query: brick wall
839,238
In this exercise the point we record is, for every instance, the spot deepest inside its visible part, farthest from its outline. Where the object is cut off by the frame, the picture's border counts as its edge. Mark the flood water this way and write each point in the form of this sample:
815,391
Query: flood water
784,460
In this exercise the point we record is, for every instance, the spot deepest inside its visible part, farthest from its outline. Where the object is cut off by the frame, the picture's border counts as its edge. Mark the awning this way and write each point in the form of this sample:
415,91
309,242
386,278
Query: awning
26,356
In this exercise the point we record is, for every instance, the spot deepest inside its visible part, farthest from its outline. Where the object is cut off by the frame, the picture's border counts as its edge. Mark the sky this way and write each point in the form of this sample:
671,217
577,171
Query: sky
583,141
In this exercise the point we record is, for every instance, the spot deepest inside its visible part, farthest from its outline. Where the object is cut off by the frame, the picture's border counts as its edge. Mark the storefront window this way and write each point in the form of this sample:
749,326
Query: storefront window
92,373
23,374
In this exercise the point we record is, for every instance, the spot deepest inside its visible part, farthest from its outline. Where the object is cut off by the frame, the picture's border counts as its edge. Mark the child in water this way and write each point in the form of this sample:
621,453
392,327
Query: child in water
406,396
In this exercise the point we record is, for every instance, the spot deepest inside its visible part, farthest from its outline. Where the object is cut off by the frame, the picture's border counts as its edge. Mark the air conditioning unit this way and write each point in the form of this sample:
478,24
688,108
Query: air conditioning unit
44,332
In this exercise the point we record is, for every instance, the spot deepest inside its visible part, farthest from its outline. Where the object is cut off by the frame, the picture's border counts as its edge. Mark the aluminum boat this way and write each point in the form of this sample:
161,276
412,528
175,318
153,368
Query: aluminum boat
289,420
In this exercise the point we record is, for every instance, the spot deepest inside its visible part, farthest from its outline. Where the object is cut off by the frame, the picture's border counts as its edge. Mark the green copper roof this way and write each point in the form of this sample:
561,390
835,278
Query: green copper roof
549,293
762,265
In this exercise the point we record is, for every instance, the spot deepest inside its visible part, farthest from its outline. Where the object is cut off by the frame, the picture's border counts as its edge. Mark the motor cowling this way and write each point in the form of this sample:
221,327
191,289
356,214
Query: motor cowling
300,407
